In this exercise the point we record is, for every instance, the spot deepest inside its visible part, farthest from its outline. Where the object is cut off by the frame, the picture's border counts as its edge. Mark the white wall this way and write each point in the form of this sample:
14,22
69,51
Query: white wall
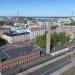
34,34
8,38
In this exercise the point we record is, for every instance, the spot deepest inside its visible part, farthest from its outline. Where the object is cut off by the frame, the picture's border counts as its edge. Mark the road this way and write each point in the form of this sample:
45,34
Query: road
47,70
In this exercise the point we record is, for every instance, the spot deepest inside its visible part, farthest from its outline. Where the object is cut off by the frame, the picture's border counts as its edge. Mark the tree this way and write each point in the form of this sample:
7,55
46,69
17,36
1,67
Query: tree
41,41
72,22
56,39
63,37
1,23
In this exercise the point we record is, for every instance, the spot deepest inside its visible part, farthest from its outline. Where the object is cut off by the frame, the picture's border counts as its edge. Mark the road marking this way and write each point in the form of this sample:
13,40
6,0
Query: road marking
53,68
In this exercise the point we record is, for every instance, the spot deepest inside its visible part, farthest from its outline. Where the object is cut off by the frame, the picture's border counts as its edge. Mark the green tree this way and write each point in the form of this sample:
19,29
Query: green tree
56,39
63,37
72,22
41,41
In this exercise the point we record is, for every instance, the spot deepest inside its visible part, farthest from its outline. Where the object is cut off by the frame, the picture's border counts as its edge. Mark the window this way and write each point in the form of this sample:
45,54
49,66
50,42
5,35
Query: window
25,61
7,63
23,58
10,63
13,61
29,57
2,65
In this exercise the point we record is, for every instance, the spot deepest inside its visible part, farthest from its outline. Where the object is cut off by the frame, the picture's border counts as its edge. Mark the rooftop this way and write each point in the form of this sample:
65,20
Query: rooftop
17,34
36,29
4,55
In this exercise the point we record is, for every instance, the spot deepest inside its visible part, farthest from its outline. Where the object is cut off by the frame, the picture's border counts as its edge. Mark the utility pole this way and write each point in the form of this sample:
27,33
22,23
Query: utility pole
18,13
72,14
18,16
71,17
48,37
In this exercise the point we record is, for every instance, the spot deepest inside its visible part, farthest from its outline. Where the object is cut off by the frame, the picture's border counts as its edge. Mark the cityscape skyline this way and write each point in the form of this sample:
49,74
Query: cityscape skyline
36,38
36,7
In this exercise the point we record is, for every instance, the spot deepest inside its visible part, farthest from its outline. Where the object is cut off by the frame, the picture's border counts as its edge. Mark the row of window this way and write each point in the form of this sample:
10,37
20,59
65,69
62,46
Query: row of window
20,61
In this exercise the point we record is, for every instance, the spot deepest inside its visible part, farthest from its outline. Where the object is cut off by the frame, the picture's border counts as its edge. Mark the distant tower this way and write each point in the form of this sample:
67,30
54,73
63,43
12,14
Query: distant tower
17,16
72,15
18,13
48,39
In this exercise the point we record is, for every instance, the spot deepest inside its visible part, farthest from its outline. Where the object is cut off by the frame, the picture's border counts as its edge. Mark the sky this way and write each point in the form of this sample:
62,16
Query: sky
37,7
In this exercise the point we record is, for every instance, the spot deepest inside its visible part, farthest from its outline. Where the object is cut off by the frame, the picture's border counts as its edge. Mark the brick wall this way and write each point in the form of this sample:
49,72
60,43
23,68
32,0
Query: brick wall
19,60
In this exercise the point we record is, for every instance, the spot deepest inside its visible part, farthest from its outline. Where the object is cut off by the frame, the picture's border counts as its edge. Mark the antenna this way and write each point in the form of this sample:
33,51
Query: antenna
18,16
18,13
72,14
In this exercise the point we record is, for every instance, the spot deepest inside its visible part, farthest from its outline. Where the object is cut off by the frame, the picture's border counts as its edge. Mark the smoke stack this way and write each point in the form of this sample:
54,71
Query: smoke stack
48,40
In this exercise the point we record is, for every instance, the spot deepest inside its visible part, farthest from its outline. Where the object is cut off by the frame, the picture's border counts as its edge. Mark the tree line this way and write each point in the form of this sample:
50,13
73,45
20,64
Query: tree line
56,39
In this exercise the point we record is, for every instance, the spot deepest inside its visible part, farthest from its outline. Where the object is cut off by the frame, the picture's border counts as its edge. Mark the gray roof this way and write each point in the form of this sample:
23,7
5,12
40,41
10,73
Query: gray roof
4,55
10,34
54,27
20,51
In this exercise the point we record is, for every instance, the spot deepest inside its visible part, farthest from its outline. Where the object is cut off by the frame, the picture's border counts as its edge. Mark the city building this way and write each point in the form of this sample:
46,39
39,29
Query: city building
15,38
21,33
18,29
37,32
17,33
16,57
70,30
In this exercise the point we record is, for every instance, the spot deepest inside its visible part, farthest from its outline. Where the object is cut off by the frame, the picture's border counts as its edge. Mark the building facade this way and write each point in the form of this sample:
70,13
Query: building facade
17,38
70,30
35,32
22,37
19,60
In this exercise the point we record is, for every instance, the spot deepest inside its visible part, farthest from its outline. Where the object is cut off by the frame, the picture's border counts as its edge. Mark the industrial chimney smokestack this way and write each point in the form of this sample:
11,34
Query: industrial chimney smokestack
48,40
